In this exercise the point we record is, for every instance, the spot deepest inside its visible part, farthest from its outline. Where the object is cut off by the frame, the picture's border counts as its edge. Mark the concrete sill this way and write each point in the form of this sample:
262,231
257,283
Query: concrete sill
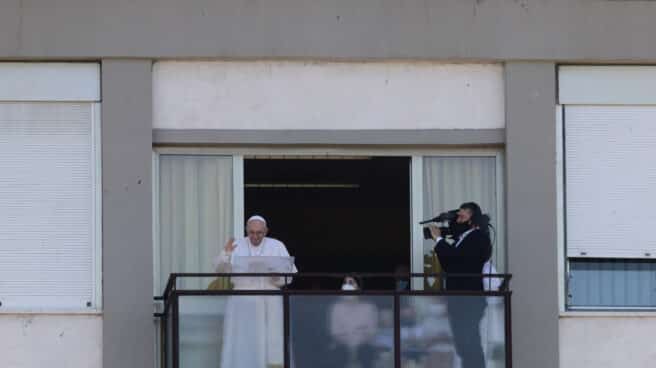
608,314
23,313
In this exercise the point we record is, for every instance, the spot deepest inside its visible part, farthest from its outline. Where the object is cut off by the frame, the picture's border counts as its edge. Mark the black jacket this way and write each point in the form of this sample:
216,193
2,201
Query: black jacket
468,257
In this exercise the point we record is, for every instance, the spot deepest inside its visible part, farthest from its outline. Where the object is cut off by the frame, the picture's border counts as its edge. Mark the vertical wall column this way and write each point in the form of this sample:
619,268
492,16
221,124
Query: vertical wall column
531,212
127,219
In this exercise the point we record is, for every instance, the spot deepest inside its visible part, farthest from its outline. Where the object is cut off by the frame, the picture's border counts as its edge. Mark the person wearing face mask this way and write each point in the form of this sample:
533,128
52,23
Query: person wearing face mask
352,325
350,284
468,254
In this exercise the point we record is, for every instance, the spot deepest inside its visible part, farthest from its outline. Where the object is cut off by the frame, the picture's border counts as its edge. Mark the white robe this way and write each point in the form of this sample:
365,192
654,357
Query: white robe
253,325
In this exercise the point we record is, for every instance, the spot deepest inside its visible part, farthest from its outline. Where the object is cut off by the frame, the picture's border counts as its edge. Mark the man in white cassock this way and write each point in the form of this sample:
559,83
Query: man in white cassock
253,327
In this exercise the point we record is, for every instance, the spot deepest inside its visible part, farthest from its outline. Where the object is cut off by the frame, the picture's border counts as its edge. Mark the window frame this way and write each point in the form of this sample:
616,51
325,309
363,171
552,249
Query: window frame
415,154
592,85
95,166
564,272
417,204
237,201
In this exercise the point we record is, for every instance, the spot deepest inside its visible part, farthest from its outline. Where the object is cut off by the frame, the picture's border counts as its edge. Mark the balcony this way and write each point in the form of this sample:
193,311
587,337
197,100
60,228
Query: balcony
316,328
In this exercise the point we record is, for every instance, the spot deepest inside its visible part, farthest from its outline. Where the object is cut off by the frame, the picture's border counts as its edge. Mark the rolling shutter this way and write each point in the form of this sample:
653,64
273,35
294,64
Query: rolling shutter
610,181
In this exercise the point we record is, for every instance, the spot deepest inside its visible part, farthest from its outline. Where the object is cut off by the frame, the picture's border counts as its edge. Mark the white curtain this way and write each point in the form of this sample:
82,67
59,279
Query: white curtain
451,181
196,214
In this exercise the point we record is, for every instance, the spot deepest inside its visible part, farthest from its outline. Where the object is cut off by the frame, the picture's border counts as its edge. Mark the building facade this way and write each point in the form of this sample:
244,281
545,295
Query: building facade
549,103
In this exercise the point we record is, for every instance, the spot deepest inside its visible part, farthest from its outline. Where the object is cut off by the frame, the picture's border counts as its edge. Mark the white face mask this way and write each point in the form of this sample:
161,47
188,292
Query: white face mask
348,287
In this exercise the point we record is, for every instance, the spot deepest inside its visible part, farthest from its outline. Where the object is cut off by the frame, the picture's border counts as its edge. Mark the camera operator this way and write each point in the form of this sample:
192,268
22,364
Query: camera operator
467,255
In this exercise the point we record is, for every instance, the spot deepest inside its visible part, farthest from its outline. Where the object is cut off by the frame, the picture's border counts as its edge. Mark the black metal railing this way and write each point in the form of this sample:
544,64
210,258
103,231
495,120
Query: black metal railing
382,327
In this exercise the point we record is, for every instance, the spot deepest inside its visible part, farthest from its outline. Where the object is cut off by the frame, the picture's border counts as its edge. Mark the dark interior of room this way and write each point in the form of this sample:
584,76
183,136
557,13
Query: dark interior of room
335,215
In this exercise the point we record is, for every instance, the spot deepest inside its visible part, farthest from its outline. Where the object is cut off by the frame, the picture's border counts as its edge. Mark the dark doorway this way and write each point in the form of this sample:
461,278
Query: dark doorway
335,215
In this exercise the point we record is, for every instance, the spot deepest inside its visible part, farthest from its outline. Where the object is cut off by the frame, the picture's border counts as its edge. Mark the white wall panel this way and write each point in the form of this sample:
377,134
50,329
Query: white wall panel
607,85
37,341
50,82
320,95
607,342
610,168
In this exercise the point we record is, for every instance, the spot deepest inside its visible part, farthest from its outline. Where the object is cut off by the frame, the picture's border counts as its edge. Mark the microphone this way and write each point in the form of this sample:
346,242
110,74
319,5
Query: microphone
444,216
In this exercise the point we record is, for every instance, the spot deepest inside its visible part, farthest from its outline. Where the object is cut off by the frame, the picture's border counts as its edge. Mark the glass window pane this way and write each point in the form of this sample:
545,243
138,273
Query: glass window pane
195,219
612,283
452,331
331,331
244,331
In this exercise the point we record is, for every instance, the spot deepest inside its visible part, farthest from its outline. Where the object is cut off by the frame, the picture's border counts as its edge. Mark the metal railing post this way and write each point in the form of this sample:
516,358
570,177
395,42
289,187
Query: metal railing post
286,329
508,328
397,330
176,331
163,330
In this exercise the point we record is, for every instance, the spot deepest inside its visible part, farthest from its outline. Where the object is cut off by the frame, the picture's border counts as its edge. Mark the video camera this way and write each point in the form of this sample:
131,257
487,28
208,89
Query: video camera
449,217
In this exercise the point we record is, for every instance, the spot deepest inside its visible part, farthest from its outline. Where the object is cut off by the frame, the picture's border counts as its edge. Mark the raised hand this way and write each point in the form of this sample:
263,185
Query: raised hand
230,245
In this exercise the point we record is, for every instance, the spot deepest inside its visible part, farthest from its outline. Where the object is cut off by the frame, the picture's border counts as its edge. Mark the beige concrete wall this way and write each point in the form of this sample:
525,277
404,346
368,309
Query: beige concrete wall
607,342
36,341
596,30
332,96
